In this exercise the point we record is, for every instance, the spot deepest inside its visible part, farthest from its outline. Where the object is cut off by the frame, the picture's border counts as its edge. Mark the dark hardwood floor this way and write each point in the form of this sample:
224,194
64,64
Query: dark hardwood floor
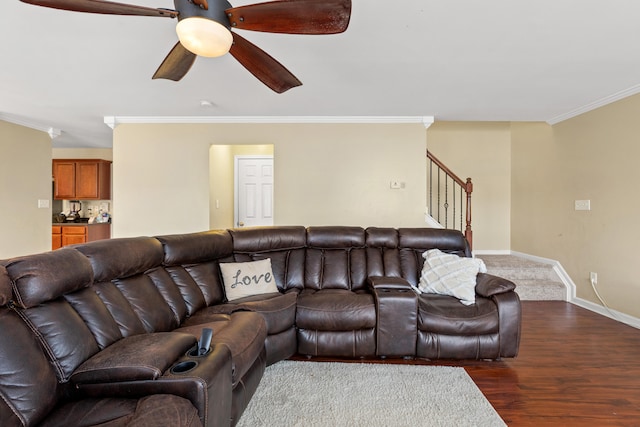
575,368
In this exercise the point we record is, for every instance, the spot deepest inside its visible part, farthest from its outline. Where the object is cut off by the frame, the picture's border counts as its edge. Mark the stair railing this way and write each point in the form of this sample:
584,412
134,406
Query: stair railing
445,187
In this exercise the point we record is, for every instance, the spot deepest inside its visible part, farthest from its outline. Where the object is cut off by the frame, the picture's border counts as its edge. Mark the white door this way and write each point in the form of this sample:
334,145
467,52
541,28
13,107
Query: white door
254,191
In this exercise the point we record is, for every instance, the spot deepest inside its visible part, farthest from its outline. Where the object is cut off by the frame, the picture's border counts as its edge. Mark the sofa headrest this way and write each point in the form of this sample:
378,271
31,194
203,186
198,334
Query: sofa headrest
47,276
123,257
264,239
194,248
5,286
335,237
382,237
452,241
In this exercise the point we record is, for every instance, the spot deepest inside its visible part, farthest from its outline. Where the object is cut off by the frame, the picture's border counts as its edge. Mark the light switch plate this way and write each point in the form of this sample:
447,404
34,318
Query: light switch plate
43,203
583,205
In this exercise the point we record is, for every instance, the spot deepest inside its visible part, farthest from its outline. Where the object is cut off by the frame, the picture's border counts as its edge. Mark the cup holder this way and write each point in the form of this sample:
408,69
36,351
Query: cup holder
194,352
183,367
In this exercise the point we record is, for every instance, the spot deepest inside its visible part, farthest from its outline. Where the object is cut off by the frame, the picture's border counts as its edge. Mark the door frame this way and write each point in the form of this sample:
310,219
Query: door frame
236,159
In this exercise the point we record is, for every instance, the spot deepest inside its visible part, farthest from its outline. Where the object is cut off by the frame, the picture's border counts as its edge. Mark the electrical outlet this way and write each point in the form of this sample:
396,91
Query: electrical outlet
594,278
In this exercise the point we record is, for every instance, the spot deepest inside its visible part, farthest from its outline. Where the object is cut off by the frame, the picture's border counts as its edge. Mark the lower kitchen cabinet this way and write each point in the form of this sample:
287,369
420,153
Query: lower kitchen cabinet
74,233
56,237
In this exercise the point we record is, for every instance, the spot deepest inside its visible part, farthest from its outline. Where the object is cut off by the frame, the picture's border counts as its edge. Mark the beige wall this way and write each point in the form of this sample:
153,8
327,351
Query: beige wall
526,178
25,177
481,151
324,174
593,156
82,153
221,169
538,201
546,169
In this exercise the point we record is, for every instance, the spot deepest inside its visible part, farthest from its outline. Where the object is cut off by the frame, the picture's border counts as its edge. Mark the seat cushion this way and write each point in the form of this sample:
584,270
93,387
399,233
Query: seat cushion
278,310
445,315
335,310
156,410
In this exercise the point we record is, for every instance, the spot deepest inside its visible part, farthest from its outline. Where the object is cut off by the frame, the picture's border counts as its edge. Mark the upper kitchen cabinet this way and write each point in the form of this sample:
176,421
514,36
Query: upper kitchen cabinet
81,179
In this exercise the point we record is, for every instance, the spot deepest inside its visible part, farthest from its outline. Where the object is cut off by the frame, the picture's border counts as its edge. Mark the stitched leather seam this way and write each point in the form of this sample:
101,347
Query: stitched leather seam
45,345
13,409
16,293
466,318
155,370
337,310
269,311
322,257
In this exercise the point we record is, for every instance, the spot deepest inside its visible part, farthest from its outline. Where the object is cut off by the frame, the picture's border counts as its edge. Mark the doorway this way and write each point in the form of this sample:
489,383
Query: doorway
253,194
222,194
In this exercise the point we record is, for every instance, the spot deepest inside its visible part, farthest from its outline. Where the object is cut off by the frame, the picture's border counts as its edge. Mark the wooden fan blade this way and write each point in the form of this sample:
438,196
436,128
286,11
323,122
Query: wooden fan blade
293,16
105,7
262,65
176,65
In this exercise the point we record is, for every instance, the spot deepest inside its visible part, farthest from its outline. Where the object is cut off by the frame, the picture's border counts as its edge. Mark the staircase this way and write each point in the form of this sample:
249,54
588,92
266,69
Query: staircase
535,281
448,198
449,206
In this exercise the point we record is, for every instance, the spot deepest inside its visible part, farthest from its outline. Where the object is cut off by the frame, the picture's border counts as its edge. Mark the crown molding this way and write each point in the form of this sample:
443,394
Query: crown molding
427,121
51,131
633,90
114,121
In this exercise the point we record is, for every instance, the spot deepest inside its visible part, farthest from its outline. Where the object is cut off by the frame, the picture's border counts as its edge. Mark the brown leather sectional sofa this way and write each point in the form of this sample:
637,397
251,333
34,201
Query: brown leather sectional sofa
106,333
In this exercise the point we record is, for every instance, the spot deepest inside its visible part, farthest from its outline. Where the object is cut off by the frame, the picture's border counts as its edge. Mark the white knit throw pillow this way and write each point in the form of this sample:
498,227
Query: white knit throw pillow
449,274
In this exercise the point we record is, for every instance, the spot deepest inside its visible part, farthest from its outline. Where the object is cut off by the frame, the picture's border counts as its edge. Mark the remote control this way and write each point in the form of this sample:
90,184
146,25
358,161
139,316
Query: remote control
205,341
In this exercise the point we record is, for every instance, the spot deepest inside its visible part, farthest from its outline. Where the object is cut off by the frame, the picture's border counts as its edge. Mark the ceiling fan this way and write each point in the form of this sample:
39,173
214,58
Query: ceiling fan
204,29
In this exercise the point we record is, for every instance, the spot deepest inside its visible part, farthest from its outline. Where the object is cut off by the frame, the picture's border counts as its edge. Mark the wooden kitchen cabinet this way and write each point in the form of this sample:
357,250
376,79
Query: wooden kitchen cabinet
56,237
74,233
81,179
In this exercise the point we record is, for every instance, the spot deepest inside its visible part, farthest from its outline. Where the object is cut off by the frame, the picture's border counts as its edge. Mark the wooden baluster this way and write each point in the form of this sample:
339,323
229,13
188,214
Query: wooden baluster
467,186
467,232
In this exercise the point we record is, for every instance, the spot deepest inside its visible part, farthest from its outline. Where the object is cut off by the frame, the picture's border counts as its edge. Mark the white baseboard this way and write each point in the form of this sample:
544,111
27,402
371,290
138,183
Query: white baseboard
571,290
608,312
492,252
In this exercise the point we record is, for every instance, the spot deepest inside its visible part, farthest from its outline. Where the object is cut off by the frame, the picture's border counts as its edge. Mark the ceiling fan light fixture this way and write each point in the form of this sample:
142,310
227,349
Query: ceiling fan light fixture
204,37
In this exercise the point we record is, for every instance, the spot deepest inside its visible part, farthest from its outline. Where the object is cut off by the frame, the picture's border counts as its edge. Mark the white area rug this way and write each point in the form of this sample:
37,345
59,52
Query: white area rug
315,394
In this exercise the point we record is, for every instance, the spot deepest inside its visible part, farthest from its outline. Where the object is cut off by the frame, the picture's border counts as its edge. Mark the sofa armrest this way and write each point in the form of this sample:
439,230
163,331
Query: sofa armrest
388,283
397,316
510,317
488,285
137,357
208,386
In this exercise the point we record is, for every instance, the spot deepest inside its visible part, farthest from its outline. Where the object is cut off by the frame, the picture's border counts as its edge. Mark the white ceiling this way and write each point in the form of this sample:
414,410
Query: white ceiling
496,60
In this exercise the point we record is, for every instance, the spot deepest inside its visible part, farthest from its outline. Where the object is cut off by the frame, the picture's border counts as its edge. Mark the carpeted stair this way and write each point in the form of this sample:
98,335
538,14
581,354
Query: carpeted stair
534,280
